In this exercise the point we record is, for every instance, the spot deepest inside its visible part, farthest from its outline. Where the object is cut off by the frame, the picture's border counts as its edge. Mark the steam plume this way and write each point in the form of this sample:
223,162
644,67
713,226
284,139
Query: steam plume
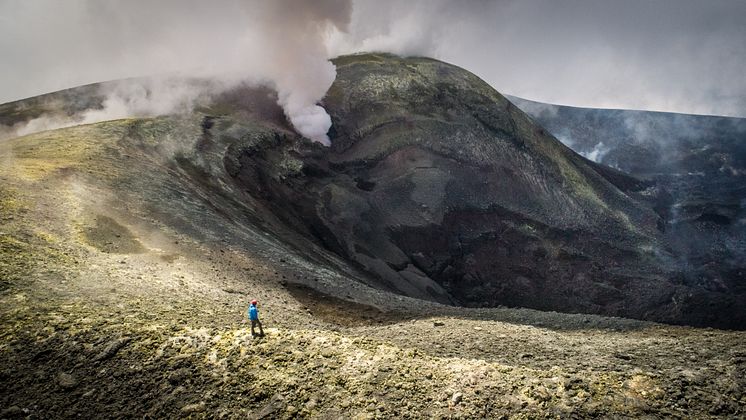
281,43
143,97
298,58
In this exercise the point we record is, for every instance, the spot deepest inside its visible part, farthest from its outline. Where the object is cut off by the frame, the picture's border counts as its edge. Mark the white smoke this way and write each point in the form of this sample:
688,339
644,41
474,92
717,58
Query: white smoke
310,120
281,43
597,153
124,99
679,55
149,97
43,123
294,35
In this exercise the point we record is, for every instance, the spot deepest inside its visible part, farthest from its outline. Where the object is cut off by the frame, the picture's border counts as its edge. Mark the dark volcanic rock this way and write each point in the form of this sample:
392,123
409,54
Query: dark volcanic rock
695,167
111,349
442,189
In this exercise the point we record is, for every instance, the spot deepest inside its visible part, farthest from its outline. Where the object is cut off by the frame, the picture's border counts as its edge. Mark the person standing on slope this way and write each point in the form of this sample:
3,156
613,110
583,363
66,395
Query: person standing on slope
254,318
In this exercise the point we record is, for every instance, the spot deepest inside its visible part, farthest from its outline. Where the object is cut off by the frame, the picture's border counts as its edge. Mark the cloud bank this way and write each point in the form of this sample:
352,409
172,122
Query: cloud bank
682,56
671,55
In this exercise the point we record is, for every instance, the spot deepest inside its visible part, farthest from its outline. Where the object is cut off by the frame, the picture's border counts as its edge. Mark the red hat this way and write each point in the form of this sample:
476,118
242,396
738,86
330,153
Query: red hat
254,302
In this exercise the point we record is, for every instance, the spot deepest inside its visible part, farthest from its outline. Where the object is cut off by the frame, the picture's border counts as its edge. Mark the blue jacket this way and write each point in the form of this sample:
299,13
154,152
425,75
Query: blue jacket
253,313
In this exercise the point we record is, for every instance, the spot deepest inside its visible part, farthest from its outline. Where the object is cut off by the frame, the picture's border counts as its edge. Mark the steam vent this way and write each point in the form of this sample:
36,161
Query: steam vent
445,257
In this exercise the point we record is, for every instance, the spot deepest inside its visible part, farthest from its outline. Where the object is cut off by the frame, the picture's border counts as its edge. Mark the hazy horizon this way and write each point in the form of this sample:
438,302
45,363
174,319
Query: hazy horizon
670,56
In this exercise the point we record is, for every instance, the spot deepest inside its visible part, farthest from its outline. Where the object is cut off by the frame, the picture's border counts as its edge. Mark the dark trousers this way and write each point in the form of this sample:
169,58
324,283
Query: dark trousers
254,323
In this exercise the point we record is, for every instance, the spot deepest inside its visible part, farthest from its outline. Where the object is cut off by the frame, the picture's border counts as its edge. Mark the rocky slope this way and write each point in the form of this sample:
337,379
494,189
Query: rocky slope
697,165
129,248
441,189
436,187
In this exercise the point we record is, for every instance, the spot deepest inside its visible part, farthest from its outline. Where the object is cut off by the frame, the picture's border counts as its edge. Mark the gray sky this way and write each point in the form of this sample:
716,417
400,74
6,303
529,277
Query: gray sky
677,55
